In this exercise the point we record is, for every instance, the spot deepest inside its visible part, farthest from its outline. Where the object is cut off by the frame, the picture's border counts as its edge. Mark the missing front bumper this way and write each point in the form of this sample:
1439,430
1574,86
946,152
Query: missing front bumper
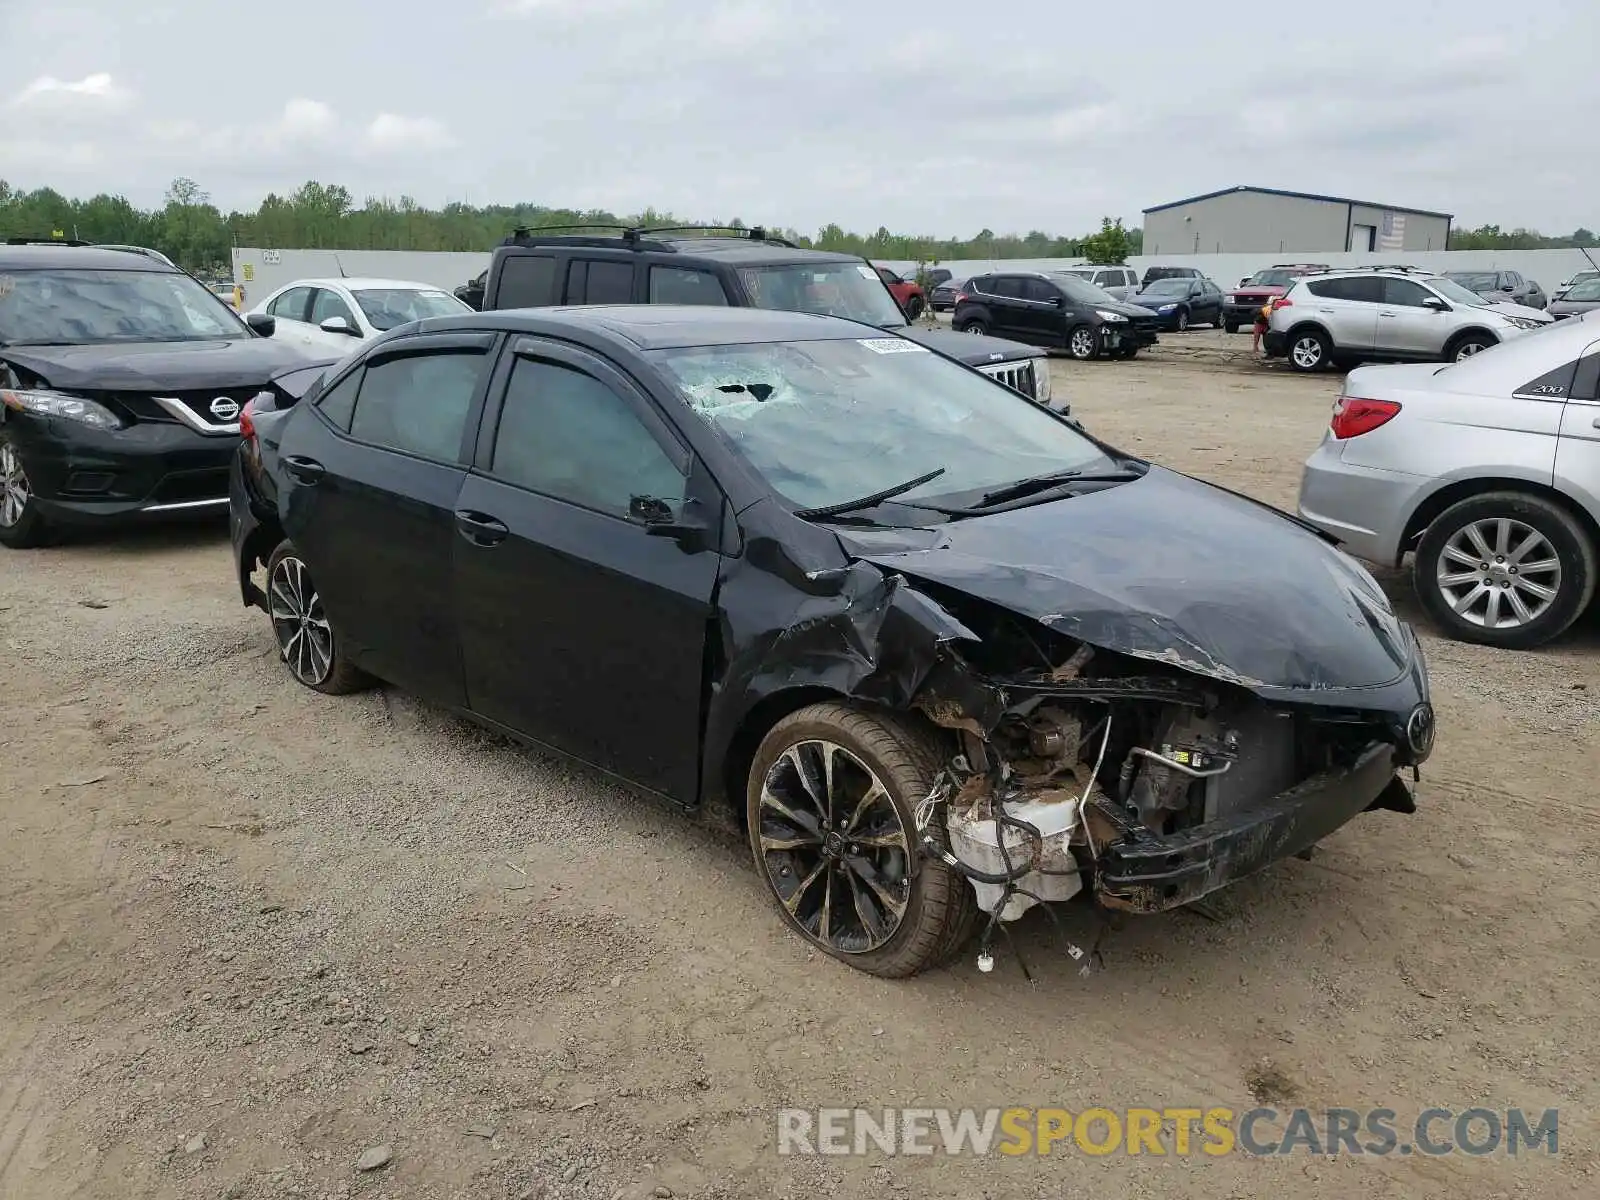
1146,873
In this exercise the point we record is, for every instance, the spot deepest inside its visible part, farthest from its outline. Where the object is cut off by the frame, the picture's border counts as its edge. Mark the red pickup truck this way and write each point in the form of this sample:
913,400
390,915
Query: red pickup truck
1240,306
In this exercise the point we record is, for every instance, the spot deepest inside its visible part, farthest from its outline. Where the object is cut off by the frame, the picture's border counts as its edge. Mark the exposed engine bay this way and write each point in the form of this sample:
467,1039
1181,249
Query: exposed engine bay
1142,784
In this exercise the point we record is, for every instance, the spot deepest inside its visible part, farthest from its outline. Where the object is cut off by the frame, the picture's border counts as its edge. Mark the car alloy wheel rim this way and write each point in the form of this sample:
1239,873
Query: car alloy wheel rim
1307,352
14,493
1499,573
1082,343
304,636
836,852
1468,350
974,329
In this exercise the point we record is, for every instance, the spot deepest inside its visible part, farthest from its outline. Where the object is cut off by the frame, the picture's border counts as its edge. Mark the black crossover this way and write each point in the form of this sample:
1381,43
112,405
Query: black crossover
942,654
1054,309
745,268
122,379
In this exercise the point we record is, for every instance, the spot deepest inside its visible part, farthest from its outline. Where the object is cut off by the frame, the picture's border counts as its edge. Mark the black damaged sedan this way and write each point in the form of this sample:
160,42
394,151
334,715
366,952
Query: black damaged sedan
944,655
121,383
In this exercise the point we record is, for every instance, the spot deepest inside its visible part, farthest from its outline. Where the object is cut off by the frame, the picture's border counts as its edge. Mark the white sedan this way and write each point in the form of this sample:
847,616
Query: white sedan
336,315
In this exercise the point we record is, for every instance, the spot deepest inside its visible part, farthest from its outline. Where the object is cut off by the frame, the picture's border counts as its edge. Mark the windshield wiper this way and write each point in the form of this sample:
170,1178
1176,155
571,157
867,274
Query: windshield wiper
888,493
1043,483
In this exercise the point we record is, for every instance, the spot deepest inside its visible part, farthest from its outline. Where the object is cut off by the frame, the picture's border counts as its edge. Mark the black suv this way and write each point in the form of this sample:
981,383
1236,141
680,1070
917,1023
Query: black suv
121,383
740,268
1054,309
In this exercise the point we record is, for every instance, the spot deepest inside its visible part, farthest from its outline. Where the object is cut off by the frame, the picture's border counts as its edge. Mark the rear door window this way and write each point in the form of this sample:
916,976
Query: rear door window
526,281
1367,289
418,403
679,285
1009,286
599,281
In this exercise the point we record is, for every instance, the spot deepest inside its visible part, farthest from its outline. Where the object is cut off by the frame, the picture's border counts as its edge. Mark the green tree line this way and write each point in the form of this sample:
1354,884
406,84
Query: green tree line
193,231
1492,237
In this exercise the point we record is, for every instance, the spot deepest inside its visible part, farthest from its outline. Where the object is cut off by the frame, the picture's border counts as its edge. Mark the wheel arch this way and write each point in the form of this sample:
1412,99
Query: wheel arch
727,784
1310,326
1462,335
1453,493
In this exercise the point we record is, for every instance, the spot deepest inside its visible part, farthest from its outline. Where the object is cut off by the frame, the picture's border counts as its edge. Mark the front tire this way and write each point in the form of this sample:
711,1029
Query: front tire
1469,344
1083,343
1230,326
307,642
830,803
1505,569
22,525
1182,320
1309,350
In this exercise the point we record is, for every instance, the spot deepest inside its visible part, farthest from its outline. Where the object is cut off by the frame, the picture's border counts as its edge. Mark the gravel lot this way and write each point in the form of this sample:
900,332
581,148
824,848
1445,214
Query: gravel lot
250,933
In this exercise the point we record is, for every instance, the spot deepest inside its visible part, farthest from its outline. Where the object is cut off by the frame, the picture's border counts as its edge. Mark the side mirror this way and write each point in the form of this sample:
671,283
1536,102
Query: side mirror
659,520
1436,304
1508,287
264,324
338,325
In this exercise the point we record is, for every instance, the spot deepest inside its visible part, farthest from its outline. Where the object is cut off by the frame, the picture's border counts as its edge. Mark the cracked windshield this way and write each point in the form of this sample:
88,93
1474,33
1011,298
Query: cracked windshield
826,422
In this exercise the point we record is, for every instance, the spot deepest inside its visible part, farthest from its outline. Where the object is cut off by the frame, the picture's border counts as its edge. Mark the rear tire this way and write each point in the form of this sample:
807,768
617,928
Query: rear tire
914,308
801,829
1309,350
22,525
972,325
307,643
1545,557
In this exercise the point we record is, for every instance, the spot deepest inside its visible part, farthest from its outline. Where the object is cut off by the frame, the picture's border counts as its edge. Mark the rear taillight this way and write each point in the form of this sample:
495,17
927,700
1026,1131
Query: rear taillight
1352,417
1285,302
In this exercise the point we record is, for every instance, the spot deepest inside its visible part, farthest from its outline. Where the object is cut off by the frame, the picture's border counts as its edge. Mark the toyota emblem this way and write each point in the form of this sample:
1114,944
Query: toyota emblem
224,409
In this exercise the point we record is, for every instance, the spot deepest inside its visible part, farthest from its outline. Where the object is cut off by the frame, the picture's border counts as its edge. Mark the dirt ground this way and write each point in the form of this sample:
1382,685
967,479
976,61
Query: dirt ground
248,933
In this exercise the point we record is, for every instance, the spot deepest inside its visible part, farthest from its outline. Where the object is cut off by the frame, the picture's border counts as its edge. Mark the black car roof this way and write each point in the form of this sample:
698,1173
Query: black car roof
664,326
88,258
730,250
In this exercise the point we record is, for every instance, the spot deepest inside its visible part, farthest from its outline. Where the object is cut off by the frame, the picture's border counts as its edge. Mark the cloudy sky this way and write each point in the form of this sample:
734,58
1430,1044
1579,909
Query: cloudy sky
928,116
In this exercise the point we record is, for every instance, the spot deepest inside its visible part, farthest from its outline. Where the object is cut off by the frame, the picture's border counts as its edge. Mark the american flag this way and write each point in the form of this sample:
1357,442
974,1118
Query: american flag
1392,236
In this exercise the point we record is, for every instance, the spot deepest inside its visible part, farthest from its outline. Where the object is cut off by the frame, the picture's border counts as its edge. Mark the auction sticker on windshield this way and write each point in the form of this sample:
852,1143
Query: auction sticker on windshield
891,346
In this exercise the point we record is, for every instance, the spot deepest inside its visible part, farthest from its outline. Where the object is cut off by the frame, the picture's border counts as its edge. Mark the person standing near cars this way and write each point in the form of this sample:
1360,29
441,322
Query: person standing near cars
1260,331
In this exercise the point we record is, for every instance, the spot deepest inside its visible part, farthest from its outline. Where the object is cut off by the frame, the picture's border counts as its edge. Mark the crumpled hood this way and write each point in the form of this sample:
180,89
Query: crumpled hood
1134,308
973,349
1171,569
148,366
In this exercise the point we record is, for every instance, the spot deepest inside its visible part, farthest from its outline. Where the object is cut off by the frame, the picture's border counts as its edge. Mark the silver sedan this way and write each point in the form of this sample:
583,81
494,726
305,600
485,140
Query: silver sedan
1582,298
1486,472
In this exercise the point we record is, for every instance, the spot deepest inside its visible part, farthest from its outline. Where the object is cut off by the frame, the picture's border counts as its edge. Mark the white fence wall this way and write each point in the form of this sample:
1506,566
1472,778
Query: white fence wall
446,270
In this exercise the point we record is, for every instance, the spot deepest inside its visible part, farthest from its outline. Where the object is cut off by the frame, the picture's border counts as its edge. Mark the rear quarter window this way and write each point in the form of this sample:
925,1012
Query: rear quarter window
526,281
